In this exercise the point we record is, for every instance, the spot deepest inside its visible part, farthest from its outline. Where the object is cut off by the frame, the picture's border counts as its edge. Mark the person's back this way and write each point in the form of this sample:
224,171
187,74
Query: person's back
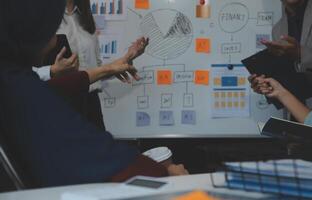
52,144
45,139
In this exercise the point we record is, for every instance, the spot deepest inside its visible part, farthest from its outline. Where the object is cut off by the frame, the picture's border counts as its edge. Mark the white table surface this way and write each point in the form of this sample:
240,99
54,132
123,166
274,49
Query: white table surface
181,183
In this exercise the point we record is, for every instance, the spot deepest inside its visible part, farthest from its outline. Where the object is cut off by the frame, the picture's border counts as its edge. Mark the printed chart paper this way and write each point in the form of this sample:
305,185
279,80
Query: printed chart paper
109,9
231,93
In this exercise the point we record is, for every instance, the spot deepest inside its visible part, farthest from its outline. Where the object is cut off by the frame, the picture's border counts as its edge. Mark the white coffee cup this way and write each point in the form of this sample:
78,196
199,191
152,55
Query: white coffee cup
161,155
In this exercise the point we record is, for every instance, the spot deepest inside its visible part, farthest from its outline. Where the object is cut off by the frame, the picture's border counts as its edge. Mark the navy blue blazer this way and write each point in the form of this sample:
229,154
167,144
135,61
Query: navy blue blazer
54,144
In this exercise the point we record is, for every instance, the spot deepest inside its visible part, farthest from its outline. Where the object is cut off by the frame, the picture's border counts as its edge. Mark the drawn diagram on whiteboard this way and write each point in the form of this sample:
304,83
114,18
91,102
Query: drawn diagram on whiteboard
192,81
233,17
170,33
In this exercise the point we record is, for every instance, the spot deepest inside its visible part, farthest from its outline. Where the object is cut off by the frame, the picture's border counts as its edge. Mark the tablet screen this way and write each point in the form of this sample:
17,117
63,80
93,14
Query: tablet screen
146,183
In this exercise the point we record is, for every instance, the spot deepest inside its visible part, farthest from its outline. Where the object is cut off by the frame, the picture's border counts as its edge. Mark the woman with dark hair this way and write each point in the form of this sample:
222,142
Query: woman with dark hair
52,144
79,27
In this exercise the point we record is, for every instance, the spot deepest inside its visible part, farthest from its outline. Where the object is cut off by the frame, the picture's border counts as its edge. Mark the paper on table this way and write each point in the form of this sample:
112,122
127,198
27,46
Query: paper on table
108,193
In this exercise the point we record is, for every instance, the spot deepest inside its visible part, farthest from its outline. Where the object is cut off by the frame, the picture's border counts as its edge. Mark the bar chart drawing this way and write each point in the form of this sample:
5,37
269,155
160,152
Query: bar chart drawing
111,9
109,46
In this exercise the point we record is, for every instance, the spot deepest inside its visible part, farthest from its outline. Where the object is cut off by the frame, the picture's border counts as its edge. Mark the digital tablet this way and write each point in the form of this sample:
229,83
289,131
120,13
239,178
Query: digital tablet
282,69
146,182
265,63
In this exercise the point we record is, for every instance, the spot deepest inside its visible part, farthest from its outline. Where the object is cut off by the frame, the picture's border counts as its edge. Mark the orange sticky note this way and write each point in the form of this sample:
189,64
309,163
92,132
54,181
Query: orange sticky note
164,77
198,195
202,77
203,45
241,81
217,81
142,4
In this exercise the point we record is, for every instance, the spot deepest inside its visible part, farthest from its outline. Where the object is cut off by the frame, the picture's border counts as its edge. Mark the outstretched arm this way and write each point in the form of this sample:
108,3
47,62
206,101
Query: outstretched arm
122,68
119,68
295,107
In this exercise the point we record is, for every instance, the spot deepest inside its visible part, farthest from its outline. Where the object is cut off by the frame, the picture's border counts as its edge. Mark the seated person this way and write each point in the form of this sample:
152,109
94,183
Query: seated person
79,27
273,89
53,144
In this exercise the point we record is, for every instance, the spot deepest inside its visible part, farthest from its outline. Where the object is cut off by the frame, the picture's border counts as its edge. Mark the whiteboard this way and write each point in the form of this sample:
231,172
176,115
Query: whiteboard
186,67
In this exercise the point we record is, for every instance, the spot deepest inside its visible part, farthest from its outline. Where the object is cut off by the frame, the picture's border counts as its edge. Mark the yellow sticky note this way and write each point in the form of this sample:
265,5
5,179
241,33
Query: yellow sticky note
203,45
230,104
229,94
197,195
236,104
236,94
201,77
142,4
241,81
242,94
223,104
223,94
216,94
217,81
217,104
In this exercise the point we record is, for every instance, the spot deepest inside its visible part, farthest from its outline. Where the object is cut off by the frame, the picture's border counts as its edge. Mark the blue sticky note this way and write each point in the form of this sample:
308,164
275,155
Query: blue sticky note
229,81
189,117
142,119
166,118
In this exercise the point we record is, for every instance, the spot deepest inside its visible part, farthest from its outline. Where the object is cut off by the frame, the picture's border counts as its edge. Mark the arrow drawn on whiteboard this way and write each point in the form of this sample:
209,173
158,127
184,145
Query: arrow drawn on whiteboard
139,15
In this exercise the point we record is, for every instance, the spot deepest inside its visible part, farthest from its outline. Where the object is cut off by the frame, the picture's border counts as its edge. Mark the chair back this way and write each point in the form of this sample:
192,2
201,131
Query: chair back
9,168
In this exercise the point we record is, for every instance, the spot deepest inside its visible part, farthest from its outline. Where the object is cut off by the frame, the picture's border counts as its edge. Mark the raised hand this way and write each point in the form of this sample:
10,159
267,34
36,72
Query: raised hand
177,170
273,89
256,82
123,70
63,65
136,49
287,46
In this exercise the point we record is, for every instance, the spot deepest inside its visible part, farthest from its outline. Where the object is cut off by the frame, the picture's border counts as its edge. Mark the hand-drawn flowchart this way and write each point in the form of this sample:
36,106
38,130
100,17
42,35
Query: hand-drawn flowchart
191,74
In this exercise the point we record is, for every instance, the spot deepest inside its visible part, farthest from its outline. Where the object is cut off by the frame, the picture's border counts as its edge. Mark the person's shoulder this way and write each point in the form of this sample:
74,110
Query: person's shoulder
309,6
18,77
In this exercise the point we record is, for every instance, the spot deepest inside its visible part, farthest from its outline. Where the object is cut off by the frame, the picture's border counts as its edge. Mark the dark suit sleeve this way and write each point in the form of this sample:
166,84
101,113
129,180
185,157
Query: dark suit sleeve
71,84
54,144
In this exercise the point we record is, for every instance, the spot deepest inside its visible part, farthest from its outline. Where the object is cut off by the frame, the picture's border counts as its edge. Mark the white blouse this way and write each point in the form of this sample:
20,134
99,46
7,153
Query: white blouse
81,42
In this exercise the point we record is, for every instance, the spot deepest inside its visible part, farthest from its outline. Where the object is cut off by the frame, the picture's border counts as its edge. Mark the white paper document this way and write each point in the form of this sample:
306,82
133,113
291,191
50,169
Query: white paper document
108,193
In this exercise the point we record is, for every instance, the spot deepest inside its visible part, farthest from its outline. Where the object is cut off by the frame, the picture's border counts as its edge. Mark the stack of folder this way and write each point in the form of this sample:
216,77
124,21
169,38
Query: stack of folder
283,177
